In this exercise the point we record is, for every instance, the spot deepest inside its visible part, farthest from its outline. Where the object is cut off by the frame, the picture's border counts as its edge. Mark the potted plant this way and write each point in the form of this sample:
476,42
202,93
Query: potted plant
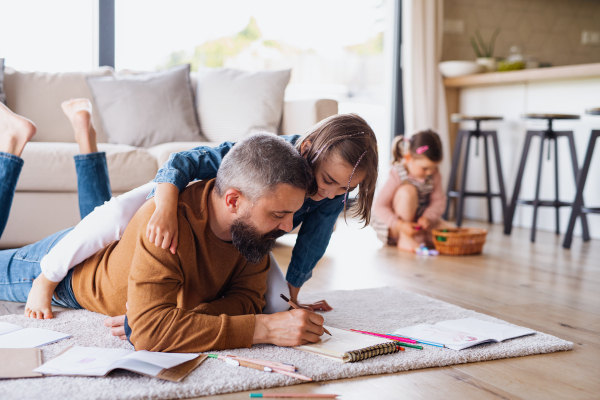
485,53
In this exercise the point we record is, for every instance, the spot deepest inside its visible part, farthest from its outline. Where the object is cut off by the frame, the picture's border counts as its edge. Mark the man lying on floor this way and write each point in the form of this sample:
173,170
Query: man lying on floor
209,295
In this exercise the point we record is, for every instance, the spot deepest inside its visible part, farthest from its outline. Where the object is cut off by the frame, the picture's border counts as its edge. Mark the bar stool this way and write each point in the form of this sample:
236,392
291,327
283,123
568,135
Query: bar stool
461,193
549,135
578,208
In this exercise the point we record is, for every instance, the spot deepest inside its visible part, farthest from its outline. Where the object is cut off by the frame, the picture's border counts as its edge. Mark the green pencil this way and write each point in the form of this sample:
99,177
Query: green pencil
414,346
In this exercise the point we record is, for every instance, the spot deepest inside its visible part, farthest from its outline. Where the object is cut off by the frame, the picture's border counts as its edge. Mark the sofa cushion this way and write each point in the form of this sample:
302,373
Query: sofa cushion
233,104
147,109
2,94
49,167
162,152
37,96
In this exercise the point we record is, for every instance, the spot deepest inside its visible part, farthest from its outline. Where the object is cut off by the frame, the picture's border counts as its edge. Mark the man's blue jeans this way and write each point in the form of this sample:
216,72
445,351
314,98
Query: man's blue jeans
19,267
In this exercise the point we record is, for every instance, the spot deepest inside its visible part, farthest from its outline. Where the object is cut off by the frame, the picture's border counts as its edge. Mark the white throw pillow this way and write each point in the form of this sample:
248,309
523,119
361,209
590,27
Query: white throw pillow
147,109
233,104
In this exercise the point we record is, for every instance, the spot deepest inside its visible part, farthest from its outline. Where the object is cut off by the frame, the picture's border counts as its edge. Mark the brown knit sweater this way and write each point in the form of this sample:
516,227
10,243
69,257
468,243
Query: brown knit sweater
199,299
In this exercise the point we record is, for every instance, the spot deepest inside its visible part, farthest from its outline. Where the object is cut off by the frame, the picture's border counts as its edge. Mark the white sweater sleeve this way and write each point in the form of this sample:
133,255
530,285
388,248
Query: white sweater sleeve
96,231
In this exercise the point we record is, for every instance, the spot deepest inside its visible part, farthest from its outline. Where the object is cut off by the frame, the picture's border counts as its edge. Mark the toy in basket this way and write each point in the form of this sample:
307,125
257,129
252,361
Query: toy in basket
459,241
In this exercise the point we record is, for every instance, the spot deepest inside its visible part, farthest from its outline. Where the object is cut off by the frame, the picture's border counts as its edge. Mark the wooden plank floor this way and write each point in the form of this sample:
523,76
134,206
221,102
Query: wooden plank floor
540,285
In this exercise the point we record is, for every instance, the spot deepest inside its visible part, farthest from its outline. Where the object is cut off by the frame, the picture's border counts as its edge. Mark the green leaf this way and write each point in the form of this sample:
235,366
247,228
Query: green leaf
484,49
475,48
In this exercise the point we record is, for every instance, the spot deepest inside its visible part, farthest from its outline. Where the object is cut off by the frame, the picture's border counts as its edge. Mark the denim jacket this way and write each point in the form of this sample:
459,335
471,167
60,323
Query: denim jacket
317,217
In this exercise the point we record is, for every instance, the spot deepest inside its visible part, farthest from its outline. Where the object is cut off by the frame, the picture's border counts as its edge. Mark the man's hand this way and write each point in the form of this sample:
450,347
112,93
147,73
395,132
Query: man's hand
117,325
162,229
289,328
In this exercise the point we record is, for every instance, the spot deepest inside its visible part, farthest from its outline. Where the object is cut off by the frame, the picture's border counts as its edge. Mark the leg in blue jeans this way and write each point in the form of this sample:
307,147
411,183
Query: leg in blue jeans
19,267
93,184
10,169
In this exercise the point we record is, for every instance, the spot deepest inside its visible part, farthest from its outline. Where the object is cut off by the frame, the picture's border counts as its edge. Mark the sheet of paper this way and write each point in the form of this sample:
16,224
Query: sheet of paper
163,360
342,342
30,337
137,366
5,327
437,334
90,361
485,329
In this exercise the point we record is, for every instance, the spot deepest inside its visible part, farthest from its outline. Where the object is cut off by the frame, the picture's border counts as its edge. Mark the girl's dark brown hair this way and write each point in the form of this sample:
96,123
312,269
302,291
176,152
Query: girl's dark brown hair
350,137
427,142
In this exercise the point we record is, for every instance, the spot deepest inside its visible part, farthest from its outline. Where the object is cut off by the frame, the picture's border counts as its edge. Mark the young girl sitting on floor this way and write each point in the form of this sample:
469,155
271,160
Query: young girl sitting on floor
411,201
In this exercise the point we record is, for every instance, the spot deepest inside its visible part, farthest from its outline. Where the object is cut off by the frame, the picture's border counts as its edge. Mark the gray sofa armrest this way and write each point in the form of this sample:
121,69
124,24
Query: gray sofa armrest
300,115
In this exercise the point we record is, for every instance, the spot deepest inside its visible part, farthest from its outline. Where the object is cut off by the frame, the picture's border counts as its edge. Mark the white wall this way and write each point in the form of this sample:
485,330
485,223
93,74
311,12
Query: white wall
510,102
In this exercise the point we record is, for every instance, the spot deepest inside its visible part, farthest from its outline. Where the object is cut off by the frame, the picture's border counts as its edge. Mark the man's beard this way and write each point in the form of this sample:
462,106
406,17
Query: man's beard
249,242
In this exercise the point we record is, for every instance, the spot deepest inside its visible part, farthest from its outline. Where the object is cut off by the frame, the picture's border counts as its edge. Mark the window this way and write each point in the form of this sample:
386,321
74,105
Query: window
53,36
335,48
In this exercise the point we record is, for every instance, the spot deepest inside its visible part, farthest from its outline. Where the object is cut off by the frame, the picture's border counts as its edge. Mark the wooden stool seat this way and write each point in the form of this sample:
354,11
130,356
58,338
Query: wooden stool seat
593,111
550,116
462,118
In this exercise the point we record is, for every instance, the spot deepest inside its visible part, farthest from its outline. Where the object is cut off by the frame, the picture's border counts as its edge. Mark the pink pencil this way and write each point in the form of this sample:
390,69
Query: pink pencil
394,338
266,363
292,374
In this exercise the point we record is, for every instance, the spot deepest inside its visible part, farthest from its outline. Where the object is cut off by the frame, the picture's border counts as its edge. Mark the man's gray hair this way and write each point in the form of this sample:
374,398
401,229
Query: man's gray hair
260,162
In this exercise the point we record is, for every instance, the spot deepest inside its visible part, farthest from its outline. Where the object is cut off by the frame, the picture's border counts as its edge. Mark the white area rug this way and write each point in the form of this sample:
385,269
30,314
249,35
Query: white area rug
375,310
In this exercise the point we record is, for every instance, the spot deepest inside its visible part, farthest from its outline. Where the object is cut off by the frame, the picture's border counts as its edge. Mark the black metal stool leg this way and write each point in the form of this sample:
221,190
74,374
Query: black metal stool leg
463,183
487,179
515,195
536,199
556,197
499,172
453,171
578,202
584,224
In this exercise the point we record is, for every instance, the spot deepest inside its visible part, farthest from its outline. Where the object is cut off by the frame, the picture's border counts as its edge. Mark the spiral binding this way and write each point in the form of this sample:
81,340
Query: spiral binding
372,351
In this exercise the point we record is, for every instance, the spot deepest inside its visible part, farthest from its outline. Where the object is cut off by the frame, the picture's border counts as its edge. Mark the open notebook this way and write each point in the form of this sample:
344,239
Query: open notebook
14,336
458,334
96,361
347,346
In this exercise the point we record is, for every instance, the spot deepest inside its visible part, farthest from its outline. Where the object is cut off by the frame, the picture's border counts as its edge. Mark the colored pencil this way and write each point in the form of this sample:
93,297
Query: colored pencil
248,364
412,346
292,374
266,363
293,395
294,305
241,363
426,342
394,338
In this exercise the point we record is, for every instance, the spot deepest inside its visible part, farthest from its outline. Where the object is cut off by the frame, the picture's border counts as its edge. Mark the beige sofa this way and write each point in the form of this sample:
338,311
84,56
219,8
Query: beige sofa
46,197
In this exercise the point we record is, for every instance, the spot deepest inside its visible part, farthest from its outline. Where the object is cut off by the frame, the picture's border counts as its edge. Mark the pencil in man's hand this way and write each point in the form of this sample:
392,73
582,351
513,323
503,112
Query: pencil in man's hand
297,307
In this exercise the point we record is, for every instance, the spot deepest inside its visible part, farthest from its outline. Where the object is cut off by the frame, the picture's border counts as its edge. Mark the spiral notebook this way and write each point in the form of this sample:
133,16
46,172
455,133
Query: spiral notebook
346,346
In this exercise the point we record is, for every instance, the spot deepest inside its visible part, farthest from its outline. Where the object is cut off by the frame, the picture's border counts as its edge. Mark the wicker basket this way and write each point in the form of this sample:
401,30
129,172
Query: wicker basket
459,241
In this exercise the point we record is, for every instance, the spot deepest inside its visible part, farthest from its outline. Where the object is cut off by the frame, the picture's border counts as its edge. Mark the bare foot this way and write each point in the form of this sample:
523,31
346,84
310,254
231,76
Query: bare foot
79,112
407,243
40,297
15,131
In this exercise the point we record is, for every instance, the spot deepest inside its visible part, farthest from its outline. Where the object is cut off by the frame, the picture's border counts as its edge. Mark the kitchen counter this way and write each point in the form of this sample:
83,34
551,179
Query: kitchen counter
525,75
